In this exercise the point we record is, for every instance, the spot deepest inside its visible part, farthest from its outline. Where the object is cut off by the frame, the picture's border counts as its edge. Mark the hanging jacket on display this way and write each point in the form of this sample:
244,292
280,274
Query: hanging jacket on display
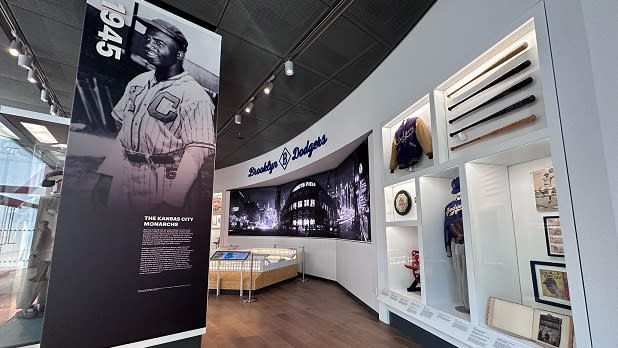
412,139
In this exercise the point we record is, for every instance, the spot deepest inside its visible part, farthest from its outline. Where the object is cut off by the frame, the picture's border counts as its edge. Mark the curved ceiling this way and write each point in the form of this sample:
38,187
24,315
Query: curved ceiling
258,36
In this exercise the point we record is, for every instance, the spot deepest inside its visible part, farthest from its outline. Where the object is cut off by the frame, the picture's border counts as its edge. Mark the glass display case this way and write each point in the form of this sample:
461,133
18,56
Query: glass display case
264,259
270,266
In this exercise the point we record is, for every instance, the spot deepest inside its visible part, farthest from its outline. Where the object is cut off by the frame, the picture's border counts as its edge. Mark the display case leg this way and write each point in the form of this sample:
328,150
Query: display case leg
250,298
302,267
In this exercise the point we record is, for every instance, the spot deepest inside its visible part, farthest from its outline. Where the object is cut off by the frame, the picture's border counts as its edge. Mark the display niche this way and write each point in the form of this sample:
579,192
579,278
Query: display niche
486,222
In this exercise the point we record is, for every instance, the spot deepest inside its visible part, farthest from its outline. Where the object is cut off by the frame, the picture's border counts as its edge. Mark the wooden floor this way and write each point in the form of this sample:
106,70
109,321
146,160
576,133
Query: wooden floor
311,314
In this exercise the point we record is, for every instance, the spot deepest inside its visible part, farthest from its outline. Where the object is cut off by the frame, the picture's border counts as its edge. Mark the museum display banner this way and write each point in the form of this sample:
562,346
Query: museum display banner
130,261
331,204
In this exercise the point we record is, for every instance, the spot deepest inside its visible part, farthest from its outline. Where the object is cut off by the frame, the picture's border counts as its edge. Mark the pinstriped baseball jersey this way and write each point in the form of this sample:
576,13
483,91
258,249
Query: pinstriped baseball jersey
162,117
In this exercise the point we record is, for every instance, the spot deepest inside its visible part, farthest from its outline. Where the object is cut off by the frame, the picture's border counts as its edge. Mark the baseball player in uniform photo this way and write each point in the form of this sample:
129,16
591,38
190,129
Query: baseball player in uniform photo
166,128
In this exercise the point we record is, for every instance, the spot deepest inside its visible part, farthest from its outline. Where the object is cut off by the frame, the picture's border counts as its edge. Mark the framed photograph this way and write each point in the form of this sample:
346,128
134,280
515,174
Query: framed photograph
552,329
216,221
545,190
403,202
550,283
553,236
217,203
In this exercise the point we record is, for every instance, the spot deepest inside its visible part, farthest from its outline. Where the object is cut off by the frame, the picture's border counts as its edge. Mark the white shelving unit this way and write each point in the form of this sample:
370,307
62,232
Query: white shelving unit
503,229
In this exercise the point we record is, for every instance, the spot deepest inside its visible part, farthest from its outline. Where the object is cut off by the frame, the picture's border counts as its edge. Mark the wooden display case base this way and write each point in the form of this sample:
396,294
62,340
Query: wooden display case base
230,280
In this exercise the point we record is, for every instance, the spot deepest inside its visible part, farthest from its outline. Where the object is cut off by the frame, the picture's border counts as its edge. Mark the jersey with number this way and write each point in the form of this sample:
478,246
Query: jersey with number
161,117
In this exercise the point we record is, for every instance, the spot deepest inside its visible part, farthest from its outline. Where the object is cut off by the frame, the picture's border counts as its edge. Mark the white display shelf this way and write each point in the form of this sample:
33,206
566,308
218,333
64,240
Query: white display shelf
414,296
389,200
525,34
404,223
447,326
401,240
503,230
420,109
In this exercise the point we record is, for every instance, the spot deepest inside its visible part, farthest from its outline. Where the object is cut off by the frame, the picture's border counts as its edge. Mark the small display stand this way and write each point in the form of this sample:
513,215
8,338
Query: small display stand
232,255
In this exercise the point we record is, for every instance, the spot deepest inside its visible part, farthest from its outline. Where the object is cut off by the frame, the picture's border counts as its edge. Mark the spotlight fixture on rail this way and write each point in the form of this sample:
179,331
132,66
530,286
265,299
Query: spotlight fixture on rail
249,106
53,110
16,48
289,67
24,61
238,118
268,88
33,76
44,95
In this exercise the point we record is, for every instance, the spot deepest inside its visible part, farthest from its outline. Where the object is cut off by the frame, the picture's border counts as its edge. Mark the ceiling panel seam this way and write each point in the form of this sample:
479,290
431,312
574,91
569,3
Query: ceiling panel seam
368,32
44,16
46,59
249,42
223,14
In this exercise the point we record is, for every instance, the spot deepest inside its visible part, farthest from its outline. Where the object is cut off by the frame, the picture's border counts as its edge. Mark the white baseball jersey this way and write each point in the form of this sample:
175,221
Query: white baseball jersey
161,117
157,118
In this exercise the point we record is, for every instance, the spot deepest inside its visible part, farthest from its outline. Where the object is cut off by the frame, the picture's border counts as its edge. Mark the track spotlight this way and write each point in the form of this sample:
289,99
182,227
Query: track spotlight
289,68
249,107
33,76
238,118
44,95
268,88
53,109
16,48
24,61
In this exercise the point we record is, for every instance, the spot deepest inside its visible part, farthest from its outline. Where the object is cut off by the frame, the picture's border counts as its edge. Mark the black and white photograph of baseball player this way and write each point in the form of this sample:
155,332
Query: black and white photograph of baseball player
149,117
141,148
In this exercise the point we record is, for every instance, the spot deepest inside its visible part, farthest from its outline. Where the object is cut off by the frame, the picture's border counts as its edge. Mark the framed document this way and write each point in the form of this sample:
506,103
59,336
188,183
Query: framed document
550,283
553,236
403,202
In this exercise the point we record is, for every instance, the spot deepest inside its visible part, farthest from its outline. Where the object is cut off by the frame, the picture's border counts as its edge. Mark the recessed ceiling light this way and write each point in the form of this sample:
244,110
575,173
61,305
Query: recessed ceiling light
6,132
40,132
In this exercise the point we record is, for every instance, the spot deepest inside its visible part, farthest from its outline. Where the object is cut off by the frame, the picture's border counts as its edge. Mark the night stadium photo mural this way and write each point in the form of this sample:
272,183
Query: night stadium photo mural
331,204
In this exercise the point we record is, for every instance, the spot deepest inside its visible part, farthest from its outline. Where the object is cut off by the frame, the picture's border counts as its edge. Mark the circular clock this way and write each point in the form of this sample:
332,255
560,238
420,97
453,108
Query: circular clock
403,202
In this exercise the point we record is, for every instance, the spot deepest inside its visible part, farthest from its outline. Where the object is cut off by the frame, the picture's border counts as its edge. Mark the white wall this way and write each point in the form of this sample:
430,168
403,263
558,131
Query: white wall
583,39
357,270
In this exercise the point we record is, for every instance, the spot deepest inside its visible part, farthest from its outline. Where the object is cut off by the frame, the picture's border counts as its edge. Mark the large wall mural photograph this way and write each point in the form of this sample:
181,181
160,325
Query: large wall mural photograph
331,204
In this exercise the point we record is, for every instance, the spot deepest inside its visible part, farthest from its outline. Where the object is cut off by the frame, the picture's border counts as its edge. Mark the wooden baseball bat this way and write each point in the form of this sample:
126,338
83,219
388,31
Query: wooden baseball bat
514,88
499,62
503,77
527,100
507,128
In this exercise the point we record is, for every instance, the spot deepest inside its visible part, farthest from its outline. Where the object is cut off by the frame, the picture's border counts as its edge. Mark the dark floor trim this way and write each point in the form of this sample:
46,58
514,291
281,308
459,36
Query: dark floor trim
416,333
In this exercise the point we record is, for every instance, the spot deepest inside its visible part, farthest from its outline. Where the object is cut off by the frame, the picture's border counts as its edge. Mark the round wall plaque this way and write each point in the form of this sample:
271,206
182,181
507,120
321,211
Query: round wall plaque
403,202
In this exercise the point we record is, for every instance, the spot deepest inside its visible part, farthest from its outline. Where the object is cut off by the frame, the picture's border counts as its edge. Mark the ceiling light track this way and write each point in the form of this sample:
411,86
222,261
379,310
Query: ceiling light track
287,64
26,59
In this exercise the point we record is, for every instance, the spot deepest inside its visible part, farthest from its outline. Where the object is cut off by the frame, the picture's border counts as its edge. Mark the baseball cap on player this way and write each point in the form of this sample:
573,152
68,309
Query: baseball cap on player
168,29
455,185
